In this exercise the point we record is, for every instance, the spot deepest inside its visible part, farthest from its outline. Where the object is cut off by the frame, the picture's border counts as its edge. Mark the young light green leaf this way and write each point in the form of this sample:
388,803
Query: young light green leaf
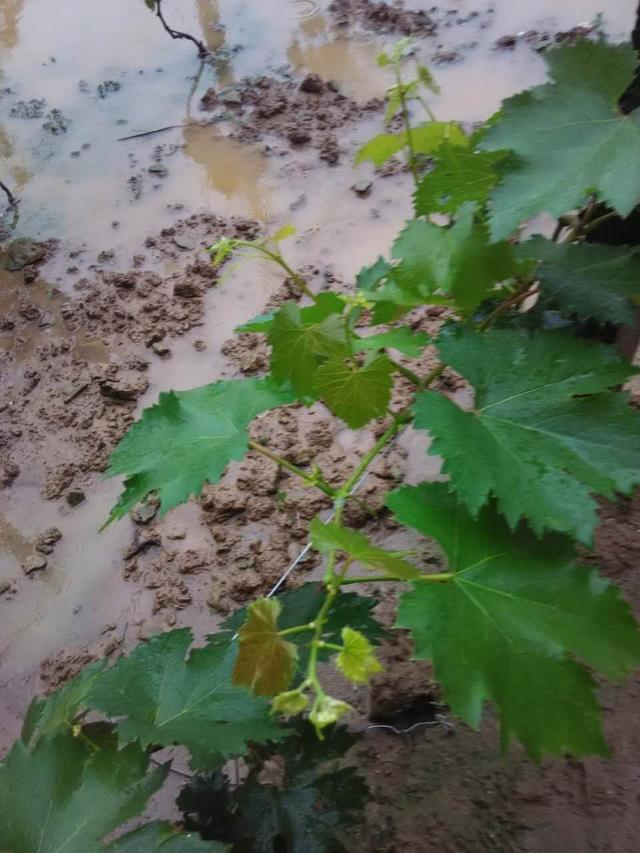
326,711
402,338
188,438
570,138
545,432
163,837
299,341
426,138
460,175
283,233
446,265
586,279
510,622
356,661
426,78
61,796
266,662
325,537
290,703
381,148
164,697
355,394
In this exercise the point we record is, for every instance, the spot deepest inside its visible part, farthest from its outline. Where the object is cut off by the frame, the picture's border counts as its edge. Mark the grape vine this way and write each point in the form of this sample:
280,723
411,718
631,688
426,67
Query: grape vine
513,618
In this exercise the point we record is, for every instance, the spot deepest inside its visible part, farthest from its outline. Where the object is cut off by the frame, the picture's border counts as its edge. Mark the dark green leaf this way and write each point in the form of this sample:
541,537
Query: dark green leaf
570,137
355,394
403,339
446,265
299,342
460,175
544,432
166,838
164,697
303,813
504,627
61,796
188,438
587,279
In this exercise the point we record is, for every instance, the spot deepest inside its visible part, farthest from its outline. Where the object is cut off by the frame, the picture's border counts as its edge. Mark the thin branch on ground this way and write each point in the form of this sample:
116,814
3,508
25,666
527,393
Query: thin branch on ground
13,201
178,34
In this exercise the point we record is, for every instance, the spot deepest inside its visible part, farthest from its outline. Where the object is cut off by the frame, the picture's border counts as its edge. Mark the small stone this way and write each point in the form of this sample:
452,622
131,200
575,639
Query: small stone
145,512
5,586
158,170
362,188
231,97
161,349
313,84
75,497
299,137
35,563
46,541
123,389
176,533
200,346
8,473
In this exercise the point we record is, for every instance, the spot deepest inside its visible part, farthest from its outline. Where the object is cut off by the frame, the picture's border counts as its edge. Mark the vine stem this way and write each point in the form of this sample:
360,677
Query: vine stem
407,127
440,577
523,292
297,279
311,480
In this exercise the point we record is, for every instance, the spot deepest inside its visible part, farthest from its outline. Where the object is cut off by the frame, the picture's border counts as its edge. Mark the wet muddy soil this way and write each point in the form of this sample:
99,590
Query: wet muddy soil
107,297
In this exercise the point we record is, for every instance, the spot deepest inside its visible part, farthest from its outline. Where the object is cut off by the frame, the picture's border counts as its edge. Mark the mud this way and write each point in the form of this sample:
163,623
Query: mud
302,113
107,297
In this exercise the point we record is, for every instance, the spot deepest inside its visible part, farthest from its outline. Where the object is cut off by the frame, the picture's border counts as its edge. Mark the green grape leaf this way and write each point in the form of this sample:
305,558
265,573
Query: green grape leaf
369,276
381,148
570,138
510,622
47,717
426,78
460,175
357,661
188,438
266,662
355,394
164,697
305,812
300,606
60,796
587,279
446,265
261,323
402,338
299,341
327,537
544,432
325,304
165,838
427,138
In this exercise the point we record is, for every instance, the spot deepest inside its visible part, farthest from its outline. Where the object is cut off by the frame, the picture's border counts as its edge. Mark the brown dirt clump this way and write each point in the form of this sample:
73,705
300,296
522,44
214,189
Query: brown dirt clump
382,17
305,113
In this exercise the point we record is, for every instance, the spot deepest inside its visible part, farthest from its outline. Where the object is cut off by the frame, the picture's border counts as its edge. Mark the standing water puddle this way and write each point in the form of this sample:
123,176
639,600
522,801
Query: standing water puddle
97,72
